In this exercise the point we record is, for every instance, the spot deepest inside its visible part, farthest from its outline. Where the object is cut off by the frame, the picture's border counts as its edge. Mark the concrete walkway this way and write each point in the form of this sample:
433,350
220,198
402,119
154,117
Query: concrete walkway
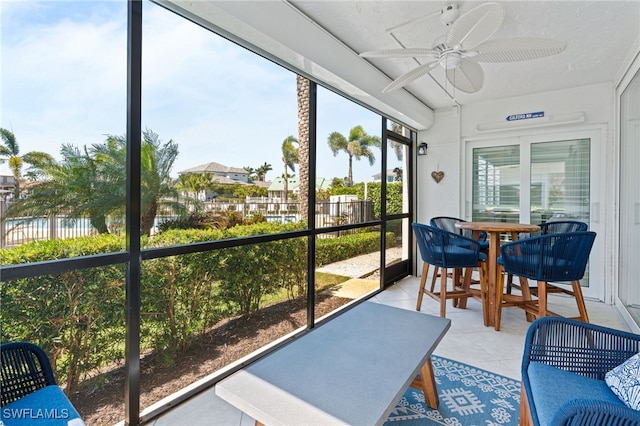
362,271
361,266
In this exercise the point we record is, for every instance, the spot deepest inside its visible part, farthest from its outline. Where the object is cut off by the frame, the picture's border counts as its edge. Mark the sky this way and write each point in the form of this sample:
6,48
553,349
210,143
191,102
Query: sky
63,81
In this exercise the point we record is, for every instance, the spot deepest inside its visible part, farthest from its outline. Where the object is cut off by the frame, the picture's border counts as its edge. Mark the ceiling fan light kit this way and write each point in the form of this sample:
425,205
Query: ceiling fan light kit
466,45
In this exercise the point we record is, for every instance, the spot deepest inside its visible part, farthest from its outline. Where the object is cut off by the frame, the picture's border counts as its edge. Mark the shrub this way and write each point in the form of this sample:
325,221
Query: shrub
78,316
329,250
178,293
252,271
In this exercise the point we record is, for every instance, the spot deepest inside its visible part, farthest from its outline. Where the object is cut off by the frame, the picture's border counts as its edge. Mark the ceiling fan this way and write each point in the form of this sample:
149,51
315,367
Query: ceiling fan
466,45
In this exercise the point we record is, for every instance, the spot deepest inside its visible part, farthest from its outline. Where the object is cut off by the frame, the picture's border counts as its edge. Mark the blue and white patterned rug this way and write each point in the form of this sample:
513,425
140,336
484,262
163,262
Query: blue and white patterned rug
468,396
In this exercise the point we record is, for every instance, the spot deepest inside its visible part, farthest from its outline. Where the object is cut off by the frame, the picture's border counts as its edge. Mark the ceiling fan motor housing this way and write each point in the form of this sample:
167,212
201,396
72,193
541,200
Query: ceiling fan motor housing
449,14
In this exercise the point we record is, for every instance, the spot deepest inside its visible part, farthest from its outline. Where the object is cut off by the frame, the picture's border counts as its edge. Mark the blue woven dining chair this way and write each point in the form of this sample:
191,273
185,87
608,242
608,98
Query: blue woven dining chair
551,227
548,259
448,223
448,250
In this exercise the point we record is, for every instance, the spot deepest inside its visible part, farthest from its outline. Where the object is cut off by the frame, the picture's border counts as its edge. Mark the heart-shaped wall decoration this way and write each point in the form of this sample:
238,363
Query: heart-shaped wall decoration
437,176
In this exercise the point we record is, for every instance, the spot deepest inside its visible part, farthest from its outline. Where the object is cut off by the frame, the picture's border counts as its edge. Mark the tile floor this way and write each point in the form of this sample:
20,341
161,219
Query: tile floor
467,341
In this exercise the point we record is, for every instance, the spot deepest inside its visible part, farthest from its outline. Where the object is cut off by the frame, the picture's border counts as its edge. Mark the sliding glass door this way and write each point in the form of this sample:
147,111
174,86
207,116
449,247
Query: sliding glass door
535,179
629,267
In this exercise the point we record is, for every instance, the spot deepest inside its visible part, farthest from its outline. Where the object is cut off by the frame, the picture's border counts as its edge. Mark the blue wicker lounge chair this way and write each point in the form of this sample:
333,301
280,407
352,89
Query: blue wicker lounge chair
563,374
28,391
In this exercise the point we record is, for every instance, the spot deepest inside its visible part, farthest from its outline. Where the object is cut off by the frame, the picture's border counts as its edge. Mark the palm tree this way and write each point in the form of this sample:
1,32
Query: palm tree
357,146
289,159
261,172
93,182
303,86
10,153
251,172
156,188
70,187
194,183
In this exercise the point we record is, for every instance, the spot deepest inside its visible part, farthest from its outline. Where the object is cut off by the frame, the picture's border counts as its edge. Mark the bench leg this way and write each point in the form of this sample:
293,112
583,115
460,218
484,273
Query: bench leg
427,384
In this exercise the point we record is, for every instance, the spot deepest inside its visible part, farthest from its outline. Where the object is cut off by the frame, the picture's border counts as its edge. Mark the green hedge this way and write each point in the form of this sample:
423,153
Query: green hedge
330,250
374,191
78,317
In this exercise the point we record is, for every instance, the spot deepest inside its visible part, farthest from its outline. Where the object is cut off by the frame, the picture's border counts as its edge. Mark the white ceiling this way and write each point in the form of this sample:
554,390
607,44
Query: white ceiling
599,35
323,38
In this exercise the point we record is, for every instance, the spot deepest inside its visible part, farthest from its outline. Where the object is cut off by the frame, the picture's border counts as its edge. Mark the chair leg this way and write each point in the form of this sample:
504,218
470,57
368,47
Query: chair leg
443,292
455,278
509,283
582,308
526,296
542,299
525,409
466,283
484,292
497,315
423,282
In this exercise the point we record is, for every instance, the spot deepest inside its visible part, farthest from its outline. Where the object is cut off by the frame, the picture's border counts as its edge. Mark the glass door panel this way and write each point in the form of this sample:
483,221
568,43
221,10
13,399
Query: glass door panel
496,184
537,179
628,290
560,180
397,203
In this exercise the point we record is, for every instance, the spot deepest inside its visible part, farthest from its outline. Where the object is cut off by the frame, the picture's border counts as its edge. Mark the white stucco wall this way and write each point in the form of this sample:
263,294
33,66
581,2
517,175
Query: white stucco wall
578,110
581,108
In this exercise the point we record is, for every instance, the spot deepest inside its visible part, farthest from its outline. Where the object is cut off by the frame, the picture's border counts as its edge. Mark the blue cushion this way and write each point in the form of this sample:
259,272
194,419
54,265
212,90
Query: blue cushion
552,387
48,406
624,381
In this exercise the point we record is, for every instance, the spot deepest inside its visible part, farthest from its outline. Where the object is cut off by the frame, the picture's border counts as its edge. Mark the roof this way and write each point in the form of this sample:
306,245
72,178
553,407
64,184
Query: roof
226,180
214,167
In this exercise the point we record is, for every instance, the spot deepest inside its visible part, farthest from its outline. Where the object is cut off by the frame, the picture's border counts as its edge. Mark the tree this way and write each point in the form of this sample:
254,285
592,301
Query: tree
71,187
303,86
251,172
357,146
10,153
261,172
289,159
92,183
156,161
194,183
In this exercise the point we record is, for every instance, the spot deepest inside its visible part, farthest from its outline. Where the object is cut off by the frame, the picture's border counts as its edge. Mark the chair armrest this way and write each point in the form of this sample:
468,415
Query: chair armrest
586,349
593,412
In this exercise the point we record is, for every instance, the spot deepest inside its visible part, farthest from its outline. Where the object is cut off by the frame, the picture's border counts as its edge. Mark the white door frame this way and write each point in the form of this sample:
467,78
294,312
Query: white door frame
597,287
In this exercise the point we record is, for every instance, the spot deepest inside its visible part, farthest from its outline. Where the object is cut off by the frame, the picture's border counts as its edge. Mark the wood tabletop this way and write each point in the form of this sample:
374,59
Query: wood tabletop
497,226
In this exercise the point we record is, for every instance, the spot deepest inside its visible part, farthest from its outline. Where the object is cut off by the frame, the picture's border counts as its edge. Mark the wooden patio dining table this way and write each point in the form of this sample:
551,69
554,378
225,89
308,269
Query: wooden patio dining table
494,230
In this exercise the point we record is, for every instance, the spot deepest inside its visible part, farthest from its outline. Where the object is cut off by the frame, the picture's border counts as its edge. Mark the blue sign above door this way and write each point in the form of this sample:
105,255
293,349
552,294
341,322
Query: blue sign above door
525,116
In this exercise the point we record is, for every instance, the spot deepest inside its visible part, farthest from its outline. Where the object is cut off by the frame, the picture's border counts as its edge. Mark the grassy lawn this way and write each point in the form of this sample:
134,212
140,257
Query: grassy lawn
323,282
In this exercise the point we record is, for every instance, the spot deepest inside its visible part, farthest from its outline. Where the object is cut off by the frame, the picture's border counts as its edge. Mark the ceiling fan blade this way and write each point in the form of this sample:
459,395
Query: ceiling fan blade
518,49
475,26
400,53
407,78
467,77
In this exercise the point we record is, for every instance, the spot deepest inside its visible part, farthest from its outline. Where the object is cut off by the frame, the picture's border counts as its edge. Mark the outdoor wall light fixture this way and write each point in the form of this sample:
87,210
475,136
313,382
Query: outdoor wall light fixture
422,148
